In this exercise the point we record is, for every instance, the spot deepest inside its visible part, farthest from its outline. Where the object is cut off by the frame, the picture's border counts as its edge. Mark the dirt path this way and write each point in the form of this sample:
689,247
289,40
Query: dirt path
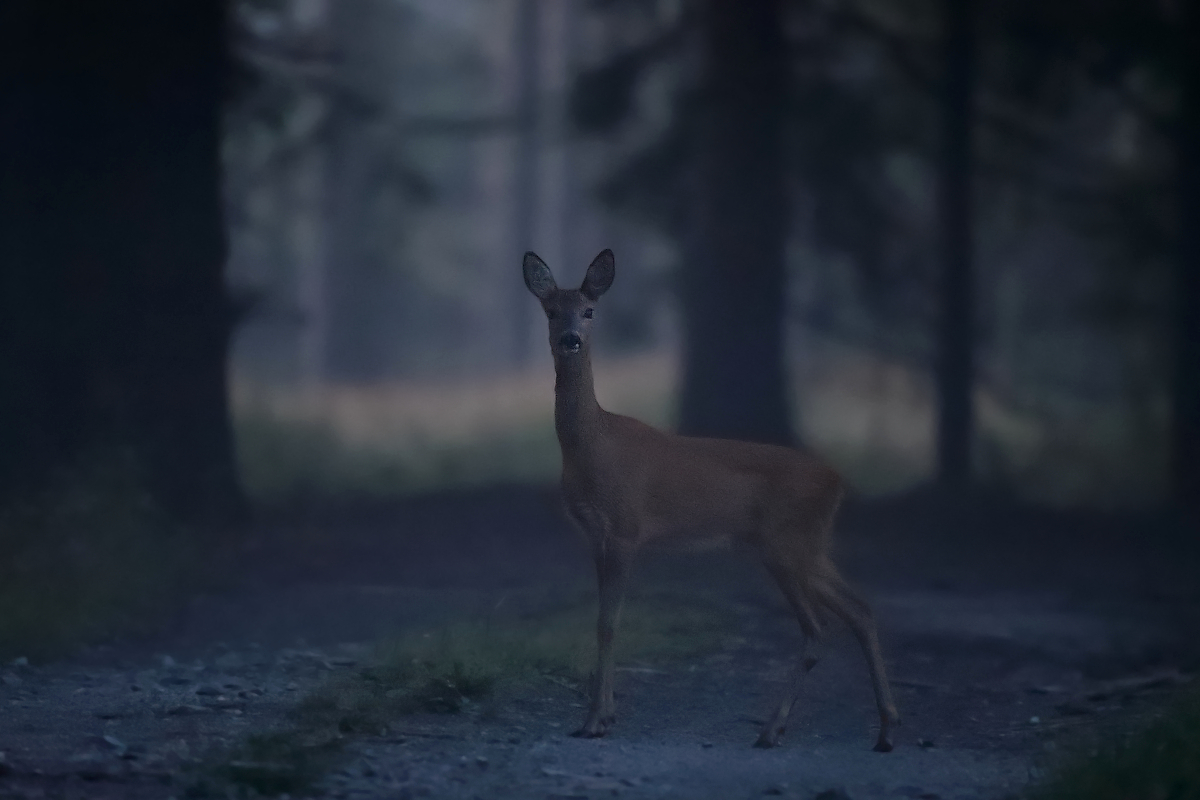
993,665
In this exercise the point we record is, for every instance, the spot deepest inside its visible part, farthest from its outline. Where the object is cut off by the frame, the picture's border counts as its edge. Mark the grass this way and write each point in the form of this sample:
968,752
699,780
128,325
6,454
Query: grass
285,459
88,557
871,417
449,669
463,666
405,438
271,764
1160,762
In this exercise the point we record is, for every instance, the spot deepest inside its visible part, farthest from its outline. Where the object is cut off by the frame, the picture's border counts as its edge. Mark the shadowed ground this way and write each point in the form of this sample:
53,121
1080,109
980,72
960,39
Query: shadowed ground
1009,635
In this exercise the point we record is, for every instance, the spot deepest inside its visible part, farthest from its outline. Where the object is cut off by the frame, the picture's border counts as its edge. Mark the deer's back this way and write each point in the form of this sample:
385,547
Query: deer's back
708,490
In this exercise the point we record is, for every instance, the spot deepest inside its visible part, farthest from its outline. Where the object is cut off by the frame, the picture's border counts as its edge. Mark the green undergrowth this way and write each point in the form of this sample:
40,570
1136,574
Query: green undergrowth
463,667
1160,762
449,669
86,558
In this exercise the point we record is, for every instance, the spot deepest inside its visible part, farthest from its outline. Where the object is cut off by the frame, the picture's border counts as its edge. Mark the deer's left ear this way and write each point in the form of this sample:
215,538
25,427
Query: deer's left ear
599,276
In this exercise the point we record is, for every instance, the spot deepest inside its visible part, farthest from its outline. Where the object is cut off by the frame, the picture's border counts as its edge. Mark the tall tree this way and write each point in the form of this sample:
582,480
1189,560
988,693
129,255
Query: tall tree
1147,57
955,372
1186,390
114,318
352,282
525,189
733,278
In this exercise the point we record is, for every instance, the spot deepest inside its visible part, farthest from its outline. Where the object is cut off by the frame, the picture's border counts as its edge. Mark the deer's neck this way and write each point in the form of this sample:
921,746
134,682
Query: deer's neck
576,412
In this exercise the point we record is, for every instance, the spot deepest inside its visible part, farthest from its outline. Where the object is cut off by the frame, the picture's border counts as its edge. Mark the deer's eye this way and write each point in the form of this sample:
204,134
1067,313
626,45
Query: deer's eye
587,313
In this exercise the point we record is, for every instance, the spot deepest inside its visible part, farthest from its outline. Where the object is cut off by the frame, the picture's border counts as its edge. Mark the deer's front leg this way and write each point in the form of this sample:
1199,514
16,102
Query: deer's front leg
612,573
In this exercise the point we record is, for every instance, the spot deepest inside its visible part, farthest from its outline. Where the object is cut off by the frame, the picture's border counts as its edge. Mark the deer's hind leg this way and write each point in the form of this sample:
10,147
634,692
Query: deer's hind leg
843,601
803,606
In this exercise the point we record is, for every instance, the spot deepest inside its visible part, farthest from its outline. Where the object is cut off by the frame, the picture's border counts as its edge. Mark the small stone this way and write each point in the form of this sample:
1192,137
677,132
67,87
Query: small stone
116,744
481,762
1035,720
168,662
925,744
706,745
93,766
230,661
21,661
292,687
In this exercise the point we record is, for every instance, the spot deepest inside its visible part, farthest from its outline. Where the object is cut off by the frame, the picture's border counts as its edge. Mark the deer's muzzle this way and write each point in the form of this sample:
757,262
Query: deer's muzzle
570,342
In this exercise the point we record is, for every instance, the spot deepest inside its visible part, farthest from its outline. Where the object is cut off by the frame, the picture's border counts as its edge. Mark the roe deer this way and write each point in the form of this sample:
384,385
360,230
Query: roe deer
625,484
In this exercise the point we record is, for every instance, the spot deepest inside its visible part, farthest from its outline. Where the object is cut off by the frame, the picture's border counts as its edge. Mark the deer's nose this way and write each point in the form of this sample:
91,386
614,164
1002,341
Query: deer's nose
570,341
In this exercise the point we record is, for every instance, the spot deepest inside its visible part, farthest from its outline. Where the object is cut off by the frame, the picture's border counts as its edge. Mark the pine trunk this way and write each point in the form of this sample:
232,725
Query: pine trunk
116,321
733,280
955,373
1185,438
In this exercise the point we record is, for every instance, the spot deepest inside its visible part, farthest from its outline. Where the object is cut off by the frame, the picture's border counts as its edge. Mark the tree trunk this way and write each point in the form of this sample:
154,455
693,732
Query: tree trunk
525,176
733,280
116,322
955,372
1185,438
356,280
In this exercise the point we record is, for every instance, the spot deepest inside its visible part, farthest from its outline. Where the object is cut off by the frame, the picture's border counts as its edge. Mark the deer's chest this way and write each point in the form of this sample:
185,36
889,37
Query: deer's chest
593,500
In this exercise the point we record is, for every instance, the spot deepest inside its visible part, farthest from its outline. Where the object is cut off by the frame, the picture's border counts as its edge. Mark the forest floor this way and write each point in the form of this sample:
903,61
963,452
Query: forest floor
1012,637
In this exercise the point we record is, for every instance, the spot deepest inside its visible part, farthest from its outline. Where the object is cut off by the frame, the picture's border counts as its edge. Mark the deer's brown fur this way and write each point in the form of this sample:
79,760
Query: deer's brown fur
625,484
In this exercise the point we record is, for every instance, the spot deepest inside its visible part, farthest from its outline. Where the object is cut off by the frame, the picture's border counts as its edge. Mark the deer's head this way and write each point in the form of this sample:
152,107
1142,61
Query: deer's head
569,311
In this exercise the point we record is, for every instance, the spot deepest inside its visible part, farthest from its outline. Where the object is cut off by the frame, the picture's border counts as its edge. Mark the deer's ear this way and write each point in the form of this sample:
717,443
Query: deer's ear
538,277
599,276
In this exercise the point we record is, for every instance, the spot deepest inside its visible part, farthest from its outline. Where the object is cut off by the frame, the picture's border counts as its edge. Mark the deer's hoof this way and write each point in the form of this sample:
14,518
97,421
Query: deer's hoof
594,728
884,745
590,732
769,737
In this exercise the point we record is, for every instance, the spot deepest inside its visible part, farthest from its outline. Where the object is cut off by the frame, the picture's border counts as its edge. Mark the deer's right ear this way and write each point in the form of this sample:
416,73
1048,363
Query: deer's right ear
538,277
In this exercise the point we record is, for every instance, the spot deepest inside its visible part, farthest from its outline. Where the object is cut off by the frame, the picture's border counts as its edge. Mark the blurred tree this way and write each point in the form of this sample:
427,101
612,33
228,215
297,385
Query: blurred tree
1139,196
955,372
1185,437
716,177
1074,107
356,281
348,119
732,286
528,46
115,321
826,111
